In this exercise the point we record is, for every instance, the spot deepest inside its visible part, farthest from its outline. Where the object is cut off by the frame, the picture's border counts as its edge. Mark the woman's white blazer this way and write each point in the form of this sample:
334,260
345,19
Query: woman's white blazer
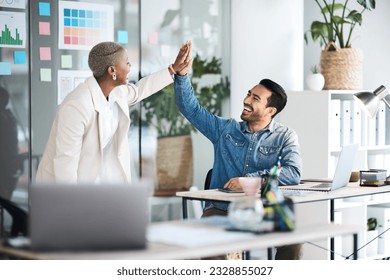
73,153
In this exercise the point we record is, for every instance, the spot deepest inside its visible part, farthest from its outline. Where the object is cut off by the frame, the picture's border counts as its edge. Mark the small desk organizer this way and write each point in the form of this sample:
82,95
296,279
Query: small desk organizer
373,177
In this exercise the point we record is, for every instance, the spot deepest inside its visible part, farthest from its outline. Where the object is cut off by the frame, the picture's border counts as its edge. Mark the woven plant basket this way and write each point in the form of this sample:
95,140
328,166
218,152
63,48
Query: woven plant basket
342,67
174,165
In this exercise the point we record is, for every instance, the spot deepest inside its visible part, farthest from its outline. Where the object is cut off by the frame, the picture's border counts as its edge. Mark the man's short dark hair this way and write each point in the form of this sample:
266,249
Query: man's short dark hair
278,98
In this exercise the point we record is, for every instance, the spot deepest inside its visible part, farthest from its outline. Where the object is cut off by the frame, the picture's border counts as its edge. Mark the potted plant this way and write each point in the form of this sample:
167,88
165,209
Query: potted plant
315,80
372,236
340,64
174,145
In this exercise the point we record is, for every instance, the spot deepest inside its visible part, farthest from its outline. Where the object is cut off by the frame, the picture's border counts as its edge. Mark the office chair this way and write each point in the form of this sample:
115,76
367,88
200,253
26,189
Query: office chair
19,216
245,255
208,179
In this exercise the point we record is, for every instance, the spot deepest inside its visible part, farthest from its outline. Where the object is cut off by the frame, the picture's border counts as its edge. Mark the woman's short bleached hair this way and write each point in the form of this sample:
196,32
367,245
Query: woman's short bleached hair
102,56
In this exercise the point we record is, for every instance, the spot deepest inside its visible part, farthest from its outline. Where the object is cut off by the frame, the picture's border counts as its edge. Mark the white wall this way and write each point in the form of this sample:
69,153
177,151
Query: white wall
266,42
373,37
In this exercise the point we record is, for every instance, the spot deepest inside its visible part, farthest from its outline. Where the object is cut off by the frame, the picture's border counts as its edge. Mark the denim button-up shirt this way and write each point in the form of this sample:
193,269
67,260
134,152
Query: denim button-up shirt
238,152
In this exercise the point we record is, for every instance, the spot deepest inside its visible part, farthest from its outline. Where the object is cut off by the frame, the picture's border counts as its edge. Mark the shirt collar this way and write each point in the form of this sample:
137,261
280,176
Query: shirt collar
270,127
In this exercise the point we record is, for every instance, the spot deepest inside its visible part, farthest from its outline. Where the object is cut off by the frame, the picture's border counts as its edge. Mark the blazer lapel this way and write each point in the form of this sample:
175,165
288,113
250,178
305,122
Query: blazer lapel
96,93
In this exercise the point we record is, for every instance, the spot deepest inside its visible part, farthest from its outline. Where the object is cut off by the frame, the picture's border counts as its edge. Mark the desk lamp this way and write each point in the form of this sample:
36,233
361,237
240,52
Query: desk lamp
370,102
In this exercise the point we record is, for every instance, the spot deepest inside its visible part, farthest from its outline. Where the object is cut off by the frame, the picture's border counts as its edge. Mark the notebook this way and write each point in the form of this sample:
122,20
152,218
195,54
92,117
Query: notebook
88,217
341,175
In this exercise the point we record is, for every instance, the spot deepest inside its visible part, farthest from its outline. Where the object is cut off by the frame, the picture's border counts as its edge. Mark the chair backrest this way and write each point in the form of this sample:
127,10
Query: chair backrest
19,217
208,179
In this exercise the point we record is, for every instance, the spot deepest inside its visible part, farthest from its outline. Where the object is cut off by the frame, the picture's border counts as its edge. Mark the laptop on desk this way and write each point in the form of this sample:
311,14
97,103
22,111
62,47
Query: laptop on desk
88,217
341,175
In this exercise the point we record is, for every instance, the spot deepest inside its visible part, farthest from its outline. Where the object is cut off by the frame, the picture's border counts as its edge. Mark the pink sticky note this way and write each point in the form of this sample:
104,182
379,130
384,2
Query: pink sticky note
44,28
153,38
44,53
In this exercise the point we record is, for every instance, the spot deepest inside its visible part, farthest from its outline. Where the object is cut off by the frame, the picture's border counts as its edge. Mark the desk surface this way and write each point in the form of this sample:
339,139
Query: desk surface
352,190
159,250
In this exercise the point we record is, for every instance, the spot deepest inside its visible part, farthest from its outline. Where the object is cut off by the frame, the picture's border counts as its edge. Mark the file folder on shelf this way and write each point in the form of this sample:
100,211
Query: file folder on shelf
345,122
371,131
356,123
335,124
381,125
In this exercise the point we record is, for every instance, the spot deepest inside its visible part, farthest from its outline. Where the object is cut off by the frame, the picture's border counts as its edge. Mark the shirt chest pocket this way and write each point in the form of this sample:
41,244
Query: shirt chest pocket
267,156
234,148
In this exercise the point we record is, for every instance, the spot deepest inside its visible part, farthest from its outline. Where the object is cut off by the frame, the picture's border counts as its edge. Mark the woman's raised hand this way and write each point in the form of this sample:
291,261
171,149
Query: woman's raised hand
183,61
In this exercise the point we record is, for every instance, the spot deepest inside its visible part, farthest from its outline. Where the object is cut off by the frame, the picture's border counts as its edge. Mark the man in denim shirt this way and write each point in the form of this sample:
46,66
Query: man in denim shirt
247,148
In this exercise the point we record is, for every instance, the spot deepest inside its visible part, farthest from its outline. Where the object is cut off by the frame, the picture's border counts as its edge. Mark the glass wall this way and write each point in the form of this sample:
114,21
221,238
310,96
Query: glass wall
14,99
207,24
38,72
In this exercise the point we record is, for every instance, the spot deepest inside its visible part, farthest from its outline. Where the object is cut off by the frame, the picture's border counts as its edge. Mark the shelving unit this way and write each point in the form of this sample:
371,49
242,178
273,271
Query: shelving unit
311,115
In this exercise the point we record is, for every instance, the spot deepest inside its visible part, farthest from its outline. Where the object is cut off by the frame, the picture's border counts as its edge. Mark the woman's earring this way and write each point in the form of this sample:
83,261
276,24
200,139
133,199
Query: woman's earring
114,76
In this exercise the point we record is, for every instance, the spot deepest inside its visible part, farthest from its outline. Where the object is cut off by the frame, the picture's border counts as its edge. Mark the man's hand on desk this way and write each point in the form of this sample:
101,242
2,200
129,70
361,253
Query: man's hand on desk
233,184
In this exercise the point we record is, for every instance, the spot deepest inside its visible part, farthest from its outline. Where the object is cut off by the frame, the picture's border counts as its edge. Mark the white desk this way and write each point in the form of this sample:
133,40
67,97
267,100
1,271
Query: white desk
158,250
352,190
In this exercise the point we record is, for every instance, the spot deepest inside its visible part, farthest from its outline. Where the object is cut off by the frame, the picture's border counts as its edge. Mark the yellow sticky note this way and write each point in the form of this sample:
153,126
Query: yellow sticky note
45,75
66,61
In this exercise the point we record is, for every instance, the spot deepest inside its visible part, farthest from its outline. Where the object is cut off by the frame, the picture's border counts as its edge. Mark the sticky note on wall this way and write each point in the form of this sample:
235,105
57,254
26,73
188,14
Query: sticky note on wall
84,62
45,53
20,57
66,61
45,75
123,37
153,38
5,68
44,9
44,28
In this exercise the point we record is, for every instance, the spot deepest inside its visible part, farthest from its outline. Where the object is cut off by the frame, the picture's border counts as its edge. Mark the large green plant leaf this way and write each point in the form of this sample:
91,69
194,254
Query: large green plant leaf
355,16
338,22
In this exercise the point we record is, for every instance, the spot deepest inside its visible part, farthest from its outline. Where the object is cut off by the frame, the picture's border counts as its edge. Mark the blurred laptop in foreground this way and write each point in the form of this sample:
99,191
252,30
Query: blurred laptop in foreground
89,217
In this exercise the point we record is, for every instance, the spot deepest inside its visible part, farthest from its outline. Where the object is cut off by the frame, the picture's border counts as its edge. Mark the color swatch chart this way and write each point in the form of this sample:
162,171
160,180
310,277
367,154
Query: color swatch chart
83,25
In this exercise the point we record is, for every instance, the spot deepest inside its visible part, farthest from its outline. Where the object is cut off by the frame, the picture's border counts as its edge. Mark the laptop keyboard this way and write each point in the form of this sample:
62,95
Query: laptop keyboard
322,185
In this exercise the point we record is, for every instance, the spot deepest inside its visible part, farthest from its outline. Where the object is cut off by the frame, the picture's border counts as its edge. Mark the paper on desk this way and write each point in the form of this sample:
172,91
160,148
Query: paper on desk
191,236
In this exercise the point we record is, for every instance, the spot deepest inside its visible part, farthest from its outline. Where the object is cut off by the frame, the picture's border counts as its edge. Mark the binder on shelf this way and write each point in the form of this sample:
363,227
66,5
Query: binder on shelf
388,129
345,122
335,124
371,131
356,123
381,125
